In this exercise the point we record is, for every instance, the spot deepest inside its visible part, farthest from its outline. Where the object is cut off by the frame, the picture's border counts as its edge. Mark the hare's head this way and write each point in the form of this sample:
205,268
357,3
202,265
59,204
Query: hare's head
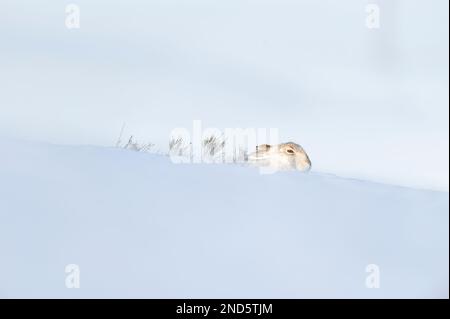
297,155
285,156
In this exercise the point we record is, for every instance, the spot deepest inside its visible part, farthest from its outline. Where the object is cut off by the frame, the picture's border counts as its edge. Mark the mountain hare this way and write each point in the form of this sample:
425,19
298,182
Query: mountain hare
285,156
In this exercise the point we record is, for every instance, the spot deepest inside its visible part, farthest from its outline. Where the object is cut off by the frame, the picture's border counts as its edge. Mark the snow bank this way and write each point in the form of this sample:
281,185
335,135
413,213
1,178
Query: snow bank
139,226
364,103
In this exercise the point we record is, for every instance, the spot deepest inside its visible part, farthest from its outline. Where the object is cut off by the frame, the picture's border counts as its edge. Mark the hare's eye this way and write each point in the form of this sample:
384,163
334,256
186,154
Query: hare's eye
290,151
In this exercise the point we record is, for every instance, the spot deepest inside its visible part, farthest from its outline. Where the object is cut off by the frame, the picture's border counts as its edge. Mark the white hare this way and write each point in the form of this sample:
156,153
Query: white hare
285,156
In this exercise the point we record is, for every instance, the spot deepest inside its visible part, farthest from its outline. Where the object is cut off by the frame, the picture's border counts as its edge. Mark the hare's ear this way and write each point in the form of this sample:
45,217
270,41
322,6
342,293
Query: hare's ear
263,148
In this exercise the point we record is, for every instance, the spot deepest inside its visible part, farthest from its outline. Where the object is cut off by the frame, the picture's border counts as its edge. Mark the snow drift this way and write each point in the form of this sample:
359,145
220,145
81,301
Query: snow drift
138,225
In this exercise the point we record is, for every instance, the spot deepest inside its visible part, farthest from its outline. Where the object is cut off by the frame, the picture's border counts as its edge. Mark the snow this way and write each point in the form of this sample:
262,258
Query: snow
138,225
369,106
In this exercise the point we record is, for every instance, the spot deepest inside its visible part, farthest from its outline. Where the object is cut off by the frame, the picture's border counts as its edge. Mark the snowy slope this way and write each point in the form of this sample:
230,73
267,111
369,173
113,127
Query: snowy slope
368,104
139,226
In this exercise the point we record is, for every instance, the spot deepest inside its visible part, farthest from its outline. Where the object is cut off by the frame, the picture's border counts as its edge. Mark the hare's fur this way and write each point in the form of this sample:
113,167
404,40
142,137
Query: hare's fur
285,156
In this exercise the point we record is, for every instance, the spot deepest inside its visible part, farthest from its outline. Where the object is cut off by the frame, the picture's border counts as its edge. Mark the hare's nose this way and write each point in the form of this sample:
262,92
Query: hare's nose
307,165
